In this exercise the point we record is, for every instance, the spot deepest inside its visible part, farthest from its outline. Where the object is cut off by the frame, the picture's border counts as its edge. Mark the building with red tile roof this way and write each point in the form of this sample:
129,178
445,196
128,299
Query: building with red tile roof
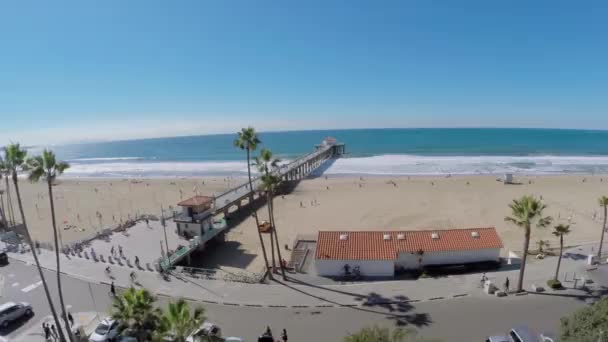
378,253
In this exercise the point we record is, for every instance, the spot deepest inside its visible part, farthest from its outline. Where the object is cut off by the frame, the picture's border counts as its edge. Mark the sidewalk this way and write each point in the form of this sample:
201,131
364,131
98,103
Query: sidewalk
88,320
299,294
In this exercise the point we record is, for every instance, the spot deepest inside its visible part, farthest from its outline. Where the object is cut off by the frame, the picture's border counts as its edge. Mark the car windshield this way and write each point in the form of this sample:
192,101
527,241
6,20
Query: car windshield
102,329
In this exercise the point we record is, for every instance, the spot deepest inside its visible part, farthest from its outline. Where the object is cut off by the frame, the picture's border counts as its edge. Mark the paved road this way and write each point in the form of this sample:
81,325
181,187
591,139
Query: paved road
463,319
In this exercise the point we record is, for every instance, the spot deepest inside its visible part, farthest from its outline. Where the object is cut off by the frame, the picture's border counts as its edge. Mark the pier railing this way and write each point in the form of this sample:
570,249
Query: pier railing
229,196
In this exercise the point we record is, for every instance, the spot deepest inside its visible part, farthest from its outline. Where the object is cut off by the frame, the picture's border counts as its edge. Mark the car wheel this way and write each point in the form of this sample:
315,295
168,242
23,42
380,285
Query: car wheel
28,312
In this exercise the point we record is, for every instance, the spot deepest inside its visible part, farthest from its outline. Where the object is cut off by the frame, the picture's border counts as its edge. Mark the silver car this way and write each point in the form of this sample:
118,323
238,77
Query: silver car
11,311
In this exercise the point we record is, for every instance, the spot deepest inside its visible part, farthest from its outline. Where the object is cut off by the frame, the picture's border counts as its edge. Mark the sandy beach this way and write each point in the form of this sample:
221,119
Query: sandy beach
337,203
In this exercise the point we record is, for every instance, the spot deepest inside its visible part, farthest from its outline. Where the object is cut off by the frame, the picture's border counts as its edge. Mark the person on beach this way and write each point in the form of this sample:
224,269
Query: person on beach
112,250
112,290
137,261
120,251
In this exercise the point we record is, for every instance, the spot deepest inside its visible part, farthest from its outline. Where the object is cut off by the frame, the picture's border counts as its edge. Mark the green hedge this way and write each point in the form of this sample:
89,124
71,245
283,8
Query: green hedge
554,284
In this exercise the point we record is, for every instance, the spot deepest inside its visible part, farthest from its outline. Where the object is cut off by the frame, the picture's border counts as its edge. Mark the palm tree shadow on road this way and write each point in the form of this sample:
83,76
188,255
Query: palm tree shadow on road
396,308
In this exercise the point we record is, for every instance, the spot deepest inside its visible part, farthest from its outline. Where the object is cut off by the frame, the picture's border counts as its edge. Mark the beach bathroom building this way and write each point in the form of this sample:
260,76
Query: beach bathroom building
380,253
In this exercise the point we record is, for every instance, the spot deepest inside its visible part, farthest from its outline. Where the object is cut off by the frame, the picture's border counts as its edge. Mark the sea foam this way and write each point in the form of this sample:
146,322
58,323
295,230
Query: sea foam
374,165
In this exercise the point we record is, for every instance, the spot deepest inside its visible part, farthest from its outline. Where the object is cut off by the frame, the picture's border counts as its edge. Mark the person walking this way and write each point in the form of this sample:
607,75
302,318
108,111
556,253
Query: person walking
112,250
54,332
507,285
137,261
284,335
71,319
47,331
112,290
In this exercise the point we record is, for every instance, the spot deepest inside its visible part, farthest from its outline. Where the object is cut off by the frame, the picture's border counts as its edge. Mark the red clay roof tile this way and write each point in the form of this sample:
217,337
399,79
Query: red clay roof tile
371,245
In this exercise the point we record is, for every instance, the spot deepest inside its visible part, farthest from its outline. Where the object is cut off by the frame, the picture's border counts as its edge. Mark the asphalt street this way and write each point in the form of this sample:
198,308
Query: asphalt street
459,319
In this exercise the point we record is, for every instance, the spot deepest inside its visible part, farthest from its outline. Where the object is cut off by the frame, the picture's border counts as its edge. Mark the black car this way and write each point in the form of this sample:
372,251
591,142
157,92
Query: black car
3,258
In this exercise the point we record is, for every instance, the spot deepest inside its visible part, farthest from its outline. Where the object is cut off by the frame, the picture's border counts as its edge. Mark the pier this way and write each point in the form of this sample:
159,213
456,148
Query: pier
209,220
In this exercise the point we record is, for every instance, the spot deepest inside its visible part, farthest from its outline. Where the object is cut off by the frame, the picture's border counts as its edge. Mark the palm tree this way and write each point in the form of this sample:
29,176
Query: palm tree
9,204
46,166
14,160
247,139
560,230
180,322
134,308
524,212
603,201
2,212
542,244
266,163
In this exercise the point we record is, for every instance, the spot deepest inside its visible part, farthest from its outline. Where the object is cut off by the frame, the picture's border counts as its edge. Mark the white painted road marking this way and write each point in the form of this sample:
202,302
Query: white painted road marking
15,284
31,287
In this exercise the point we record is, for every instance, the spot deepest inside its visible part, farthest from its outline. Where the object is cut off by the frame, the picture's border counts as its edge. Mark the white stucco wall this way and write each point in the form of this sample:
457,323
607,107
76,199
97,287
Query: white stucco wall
410,261
368,268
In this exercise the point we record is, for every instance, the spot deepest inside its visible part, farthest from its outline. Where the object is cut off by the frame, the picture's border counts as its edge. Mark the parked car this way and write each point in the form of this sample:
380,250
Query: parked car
11,311
521,334
545,337
497,338
234,339
107,330
207,329
3,259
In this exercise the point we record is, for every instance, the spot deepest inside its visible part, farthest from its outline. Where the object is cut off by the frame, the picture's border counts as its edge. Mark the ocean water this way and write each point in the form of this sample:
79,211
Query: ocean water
369,151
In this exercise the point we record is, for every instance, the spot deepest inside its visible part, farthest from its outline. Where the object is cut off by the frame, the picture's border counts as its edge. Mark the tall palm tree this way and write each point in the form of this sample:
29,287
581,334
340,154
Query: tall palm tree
2,211
9,203
46,166
524,213
14,160
179,322
560,230
266,164
135,309
247,139
603,201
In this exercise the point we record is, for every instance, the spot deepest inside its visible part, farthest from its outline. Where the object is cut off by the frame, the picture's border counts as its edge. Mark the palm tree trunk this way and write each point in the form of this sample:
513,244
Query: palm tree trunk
9,203
559,261
268,199
255,216
3,212
32,247
276,239
599,250
522,267
59,290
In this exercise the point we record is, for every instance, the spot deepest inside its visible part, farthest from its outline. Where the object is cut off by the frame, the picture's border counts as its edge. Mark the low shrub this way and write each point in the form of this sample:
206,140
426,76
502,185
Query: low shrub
554,284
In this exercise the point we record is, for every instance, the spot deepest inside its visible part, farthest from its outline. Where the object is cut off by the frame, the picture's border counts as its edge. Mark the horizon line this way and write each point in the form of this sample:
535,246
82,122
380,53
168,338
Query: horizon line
96,141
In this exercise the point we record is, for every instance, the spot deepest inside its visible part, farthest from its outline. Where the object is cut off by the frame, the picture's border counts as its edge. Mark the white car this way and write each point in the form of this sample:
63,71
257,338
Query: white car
11,311
107,330
207,329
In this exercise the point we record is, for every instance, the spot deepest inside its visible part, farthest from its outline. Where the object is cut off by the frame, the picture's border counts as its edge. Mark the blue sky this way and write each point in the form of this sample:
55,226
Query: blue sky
78,70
